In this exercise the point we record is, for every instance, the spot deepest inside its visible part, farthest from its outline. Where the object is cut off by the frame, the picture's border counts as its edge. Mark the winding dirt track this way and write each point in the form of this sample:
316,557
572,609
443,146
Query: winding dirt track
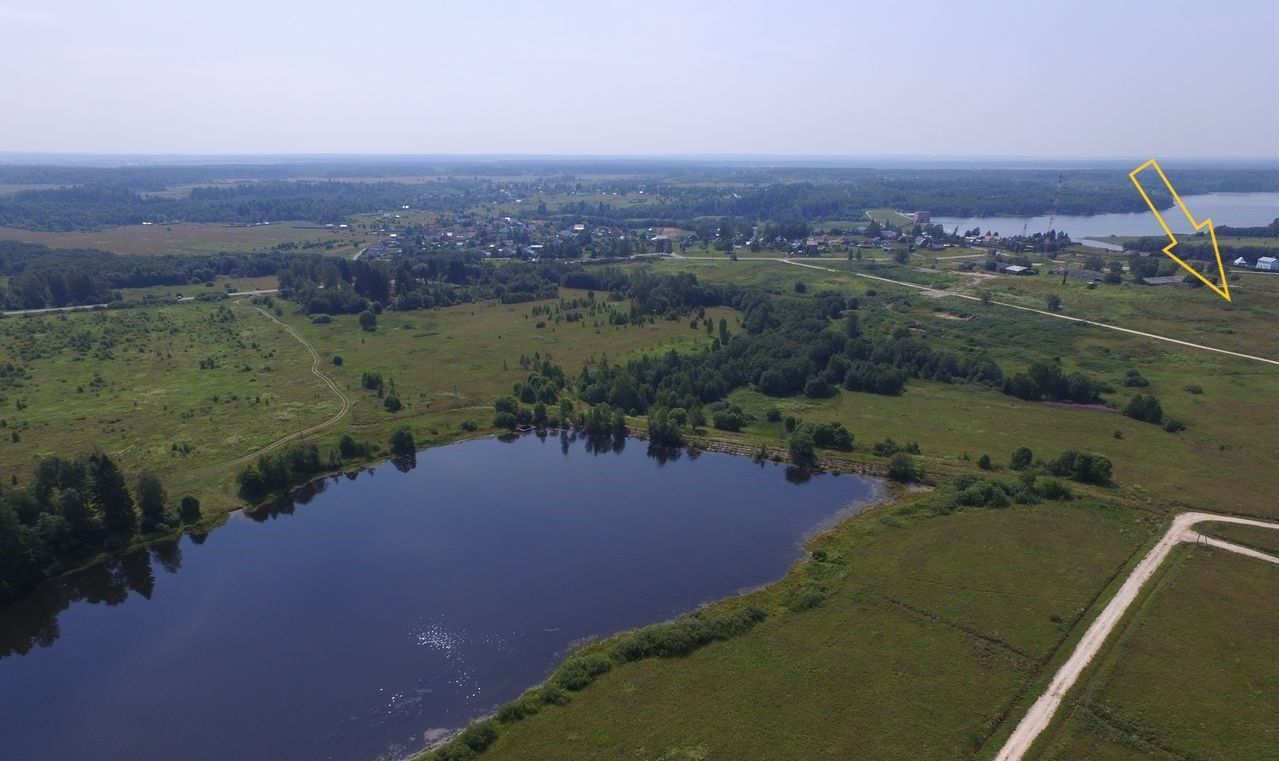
1181,530
315,370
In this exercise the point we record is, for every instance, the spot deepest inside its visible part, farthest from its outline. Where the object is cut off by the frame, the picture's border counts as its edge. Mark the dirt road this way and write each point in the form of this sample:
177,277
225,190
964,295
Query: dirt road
315,370
1181,530
937,292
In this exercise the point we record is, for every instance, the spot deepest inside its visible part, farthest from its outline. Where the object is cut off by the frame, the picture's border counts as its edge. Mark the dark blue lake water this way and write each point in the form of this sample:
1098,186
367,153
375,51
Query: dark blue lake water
390,605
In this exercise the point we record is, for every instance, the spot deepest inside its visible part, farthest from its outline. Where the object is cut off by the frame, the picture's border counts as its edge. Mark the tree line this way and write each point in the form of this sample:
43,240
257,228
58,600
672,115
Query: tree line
74,508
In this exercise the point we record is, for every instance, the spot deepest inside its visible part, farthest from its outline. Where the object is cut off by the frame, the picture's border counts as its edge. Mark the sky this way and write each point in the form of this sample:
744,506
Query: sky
1070,78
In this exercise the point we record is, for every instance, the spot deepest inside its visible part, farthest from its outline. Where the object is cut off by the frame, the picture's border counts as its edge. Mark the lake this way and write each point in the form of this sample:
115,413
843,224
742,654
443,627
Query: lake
376,607
1237,209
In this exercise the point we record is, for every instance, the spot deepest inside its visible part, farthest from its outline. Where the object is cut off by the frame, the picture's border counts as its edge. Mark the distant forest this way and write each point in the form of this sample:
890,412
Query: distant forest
647,194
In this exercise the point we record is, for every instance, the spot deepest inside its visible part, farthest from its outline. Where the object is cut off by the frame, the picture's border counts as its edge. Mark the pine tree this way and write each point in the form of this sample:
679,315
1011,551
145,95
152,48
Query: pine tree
151,498
110,495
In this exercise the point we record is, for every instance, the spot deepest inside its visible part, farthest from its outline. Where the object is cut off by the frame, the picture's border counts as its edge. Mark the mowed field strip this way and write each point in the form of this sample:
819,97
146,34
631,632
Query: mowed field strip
1041,713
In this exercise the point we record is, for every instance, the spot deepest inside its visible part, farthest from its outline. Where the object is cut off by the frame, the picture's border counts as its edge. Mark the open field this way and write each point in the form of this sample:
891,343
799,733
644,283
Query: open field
194,238
1248,536
449,365
1194,674
951,421
890,217
930,630
173,389
132,382
935,631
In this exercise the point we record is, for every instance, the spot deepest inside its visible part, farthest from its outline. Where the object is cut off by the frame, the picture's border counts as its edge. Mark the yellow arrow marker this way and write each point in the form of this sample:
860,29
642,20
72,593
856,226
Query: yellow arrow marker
1224,290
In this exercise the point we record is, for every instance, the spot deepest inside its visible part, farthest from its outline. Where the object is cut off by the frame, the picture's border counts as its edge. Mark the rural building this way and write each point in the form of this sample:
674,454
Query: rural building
922,217
1165,280
1240,262
1017,269
1268,264
1092,276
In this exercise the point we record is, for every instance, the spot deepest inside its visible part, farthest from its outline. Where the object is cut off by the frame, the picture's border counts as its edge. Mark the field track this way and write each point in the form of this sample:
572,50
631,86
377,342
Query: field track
315,370
1041,713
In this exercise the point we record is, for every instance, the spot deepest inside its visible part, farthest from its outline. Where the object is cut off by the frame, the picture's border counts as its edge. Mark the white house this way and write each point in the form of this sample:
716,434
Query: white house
1240,262
1268,264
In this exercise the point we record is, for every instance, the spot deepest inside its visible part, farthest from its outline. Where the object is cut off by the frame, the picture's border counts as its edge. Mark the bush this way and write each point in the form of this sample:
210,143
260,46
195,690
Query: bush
478,736
1051,488
1173,425
773,415
392,403
368,321
686,634
578,672
803,451
402,443
468,425
1193,388
1021,459
902,467
337,360
984,462
554,695
1084,467
1133,379
350,448
1145,408
189,509
321,319
518,709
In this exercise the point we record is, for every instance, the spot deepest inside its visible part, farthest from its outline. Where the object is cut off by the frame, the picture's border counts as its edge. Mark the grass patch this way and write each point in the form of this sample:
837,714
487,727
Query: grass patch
1193,674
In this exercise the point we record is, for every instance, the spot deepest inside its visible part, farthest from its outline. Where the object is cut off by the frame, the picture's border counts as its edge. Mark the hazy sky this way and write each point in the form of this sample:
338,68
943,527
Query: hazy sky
1067,78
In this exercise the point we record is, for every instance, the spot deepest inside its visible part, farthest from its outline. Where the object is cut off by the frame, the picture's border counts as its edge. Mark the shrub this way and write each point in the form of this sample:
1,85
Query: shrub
348,447
392,403
902,467
468,425
1173,425
554,695
686,634
984,462
1145,408
803,451
1021,459
321,319
478,736
402,443
189,509
1051,488
578,672
1193,388
773,415
368,320
337,360
1084,467
1133,379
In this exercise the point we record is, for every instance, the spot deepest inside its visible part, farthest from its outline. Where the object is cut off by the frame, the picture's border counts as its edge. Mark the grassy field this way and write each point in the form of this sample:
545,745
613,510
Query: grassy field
890,217
193,238
1264,539
1193,675
173,389
1218,397
188,390
934,631
930,629
449,365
